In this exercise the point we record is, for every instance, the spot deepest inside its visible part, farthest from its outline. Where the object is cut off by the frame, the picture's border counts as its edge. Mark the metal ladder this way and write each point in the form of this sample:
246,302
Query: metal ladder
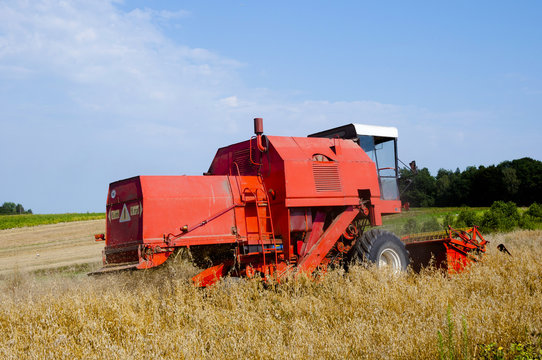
263,215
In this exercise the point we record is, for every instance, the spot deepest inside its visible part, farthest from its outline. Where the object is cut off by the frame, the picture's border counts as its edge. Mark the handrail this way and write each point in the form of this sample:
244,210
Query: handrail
185,229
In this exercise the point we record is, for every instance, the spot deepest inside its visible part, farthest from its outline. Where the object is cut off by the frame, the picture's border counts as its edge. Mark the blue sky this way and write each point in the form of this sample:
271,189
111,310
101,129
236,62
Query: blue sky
96,91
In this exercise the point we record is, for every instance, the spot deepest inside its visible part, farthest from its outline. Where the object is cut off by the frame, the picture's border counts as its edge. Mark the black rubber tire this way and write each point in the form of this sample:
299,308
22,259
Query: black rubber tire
381,247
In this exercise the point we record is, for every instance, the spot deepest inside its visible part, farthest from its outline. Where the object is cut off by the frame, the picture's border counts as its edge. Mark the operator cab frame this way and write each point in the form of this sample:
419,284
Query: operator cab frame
380,144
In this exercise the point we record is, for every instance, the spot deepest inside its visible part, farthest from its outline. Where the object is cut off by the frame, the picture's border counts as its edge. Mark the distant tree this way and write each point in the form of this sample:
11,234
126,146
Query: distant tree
443,185
529,174
8,208
519,181
421,188
19,209
486,186
510,181
452,189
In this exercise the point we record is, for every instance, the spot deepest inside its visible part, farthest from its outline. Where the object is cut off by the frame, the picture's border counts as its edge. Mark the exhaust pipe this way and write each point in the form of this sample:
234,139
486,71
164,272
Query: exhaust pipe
258,130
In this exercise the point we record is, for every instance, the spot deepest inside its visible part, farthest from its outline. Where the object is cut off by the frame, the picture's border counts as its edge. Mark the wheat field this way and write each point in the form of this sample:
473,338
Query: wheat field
365,313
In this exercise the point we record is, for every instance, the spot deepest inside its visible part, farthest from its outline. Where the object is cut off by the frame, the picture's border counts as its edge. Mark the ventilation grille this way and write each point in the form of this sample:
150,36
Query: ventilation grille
326,176
242,159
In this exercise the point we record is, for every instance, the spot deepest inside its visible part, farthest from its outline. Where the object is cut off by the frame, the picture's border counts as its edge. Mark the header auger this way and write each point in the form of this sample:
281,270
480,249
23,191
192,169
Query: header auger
271,205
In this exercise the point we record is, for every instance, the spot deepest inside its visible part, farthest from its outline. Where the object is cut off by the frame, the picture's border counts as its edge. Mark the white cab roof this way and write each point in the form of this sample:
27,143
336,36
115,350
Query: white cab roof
373,130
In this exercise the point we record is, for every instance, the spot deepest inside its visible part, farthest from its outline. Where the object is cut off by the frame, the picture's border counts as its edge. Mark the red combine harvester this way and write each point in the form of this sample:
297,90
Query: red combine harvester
272,205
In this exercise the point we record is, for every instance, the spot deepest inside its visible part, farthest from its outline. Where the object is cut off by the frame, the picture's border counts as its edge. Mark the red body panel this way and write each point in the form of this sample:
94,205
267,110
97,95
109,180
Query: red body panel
166,203
298,180
173,201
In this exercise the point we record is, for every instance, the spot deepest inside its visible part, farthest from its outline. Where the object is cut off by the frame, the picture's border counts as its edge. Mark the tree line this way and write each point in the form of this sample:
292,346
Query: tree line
10,208
518,181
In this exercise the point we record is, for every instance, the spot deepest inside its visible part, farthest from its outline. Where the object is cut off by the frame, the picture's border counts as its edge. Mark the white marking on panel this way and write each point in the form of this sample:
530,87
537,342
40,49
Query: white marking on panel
114,214
134,210
124,216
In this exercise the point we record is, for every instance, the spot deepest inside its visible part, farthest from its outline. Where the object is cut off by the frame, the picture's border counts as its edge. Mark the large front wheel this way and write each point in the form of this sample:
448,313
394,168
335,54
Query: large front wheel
382,248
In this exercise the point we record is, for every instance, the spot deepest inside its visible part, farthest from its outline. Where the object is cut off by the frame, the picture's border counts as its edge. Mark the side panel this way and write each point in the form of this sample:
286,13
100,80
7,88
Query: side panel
123,197
236,159
325,172
123,221
171,202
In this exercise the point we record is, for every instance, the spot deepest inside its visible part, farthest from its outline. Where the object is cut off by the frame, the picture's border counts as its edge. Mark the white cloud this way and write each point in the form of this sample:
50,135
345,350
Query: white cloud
230,101
111,59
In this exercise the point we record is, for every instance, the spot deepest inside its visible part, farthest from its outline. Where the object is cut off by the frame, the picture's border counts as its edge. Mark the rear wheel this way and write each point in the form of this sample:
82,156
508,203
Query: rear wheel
382,248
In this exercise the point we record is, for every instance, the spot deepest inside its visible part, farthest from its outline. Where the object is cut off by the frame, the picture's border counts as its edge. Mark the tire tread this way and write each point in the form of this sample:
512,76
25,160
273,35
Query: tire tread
361,251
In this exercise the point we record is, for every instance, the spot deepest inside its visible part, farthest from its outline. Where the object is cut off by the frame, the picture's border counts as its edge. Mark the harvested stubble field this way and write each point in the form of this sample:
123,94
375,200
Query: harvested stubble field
50,246
364,313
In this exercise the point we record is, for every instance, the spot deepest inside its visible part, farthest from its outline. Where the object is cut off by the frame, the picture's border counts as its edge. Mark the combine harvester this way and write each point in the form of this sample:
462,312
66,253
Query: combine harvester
275,205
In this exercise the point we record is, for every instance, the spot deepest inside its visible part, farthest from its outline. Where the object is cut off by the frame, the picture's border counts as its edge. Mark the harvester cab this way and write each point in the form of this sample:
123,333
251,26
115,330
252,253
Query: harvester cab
380,144
270,205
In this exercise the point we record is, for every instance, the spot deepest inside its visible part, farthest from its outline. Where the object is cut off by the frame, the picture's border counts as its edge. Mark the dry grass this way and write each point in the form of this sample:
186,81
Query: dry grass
50,246
361,314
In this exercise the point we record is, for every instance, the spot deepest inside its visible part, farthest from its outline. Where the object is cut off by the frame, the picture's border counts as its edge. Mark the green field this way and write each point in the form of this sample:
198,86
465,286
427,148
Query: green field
396,223
17,221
